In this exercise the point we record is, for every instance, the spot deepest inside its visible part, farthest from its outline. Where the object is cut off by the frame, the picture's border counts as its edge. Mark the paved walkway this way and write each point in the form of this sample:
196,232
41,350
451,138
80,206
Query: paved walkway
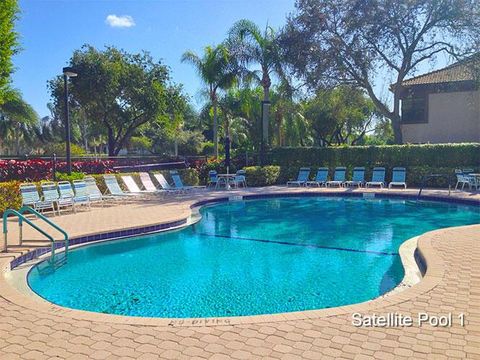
34,329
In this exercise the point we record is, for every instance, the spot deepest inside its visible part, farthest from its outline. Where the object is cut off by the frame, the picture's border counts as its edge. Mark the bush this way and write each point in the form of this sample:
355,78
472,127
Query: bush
10,196
262,176
73,176
435,156
189,177
219,166
60,150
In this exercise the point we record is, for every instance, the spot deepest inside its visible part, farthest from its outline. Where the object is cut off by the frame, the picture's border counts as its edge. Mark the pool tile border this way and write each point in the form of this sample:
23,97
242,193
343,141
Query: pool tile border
111,235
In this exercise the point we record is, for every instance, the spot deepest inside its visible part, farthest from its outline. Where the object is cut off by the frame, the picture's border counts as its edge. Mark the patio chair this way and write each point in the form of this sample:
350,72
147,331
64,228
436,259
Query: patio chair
30,197
148,183
165,185
398,177
132,186
302,177
114,188
50,194
338,177
80,198
378,177
240,179
320,178
212,178
464,178
94,193
177,180
358,177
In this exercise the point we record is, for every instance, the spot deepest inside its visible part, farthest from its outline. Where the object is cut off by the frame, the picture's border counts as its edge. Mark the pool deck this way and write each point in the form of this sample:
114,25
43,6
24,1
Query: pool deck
31,328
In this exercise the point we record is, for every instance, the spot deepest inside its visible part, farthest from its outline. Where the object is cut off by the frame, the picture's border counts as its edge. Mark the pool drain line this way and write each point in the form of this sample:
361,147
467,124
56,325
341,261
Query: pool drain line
297,244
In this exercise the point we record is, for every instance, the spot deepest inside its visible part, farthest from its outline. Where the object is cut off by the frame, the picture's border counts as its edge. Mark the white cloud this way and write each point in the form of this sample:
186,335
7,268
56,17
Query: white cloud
123,21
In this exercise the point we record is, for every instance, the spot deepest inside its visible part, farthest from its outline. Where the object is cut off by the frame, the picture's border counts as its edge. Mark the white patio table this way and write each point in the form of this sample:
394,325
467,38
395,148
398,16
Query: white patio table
224,179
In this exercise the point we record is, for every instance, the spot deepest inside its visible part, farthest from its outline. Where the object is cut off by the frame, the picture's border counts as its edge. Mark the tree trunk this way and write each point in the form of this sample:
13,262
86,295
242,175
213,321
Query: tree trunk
395,118
17,142
215,128
266,113
111,143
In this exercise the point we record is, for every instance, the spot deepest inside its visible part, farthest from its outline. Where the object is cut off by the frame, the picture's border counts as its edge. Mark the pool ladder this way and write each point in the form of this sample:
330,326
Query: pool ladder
20,214
425,179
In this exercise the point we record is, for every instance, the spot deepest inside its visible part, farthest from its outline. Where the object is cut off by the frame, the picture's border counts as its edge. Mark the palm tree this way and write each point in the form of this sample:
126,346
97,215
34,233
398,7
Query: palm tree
218,70
18,121
261,47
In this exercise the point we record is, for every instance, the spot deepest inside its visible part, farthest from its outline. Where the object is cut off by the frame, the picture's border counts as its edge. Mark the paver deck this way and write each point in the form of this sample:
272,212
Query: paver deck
34,329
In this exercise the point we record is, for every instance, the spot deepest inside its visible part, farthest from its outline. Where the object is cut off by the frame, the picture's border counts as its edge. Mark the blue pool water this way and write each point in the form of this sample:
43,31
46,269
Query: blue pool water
251,257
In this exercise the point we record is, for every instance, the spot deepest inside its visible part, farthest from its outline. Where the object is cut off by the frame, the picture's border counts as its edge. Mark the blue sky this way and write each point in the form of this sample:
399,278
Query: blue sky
51,30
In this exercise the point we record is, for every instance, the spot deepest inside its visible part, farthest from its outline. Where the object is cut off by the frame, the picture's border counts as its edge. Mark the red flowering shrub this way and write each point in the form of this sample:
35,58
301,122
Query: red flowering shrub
36,169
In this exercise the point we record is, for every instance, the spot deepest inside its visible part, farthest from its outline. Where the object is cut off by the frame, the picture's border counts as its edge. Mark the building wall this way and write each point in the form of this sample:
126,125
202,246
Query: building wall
453,117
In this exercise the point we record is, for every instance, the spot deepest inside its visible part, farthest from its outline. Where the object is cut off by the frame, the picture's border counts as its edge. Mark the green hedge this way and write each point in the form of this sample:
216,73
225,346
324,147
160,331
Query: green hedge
434,156
262,176
419,160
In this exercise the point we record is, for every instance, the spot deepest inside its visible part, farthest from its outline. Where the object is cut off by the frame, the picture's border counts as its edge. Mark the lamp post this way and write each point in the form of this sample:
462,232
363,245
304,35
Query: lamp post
67,72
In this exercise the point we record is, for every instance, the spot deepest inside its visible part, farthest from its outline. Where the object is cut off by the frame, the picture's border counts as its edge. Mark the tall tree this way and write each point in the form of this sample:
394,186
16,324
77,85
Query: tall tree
218,70
339,116
19,123
350,41
118,91
8,43
255,46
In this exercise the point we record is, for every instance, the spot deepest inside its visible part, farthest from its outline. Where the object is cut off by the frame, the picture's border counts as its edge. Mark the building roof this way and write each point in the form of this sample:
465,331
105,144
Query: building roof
463,70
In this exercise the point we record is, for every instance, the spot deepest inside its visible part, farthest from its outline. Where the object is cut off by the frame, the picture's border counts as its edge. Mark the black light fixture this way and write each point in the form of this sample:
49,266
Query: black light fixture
67,72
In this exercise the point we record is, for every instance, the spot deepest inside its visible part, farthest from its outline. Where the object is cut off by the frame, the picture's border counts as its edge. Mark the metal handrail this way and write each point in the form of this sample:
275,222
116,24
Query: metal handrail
425,178
21,218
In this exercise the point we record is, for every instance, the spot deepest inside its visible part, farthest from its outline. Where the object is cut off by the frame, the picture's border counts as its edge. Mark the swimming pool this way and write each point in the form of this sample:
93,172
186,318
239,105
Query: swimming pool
251,257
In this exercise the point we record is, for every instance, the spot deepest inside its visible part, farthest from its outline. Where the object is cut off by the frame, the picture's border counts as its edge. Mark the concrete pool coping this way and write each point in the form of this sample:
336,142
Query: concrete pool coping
408,261
451,283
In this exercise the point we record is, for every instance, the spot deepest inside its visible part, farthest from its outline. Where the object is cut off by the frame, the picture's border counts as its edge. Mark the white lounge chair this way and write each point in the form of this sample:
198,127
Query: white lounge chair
320,178
177,180
94,193
302,177
50,193
30,197
148,183
398,177
66,192
378,177
338,177
132,186
358,177
164,184
115,189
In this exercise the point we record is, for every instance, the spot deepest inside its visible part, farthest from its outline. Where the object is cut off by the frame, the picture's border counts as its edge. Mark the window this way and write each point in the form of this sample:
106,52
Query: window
414,110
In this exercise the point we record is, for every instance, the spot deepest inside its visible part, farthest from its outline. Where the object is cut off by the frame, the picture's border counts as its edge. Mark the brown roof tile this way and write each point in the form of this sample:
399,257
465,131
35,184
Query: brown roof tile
459,71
